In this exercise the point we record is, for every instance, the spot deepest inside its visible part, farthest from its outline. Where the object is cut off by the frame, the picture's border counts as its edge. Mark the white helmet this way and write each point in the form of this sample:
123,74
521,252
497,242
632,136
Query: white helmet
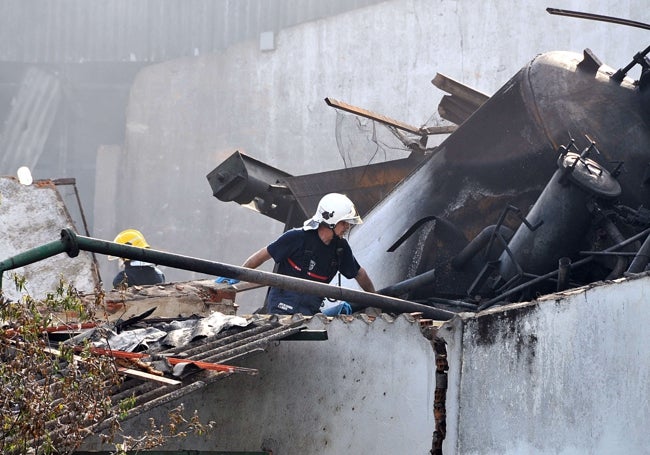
332,208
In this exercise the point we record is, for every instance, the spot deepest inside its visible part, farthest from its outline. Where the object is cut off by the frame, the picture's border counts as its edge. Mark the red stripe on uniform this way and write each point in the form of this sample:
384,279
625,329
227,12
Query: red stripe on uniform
319,277
294,265
311,274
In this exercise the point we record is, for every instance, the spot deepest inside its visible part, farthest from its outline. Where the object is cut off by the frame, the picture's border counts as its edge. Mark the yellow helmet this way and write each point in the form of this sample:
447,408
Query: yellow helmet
131,237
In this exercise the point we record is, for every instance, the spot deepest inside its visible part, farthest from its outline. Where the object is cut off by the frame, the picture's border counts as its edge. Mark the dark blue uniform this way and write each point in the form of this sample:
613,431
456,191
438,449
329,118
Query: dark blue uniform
138,273
303,254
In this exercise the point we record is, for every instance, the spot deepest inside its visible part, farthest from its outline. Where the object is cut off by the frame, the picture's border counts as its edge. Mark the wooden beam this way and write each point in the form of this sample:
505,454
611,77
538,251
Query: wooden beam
122,370
144,375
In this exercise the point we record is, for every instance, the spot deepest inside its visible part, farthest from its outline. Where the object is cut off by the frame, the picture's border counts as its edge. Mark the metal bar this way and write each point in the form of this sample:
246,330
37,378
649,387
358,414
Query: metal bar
308,335
552,274
31,256
639,58
257,276
640,261
372,116
608,253
564,267
460,90
409,284
71,243
598,17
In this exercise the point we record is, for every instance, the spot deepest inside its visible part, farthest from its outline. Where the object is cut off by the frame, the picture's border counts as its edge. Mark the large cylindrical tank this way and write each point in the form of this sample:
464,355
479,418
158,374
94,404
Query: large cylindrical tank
505,154
559,220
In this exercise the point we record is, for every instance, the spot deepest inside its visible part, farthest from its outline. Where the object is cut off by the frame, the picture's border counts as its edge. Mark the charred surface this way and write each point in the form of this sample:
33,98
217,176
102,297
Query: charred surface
543,186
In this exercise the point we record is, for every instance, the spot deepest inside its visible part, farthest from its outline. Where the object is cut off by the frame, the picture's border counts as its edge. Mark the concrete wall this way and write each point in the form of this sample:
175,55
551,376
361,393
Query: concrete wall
368,389
185,116
32,216
567,374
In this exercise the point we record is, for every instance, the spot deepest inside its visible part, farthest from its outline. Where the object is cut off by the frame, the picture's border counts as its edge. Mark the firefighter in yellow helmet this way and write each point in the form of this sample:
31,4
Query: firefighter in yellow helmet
135,273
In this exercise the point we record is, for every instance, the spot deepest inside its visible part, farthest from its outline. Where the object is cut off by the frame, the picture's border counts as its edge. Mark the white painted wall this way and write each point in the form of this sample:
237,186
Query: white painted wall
568,374
186,116
368,389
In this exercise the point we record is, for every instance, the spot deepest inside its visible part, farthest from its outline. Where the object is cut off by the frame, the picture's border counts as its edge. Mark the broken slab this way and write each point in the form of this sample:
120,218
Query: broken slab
169,300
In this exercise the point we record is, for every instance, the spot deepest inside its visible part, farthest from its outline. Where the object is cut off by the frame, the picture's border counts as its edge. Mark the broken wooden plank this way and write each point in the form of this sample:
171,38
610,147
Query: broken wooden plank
144,375
123,370
172,360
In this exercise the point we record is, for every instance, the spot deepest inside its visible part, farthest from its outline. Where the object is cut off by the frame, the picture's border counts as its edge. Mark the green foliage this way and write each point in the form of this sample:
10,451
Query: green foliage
178,426
51,399
125,406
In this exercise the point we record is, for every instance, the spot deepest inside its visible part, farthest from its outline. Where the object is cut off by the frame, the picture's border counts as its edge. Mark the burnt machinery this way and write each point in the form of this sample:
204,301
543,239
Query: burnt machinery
543,186
292,199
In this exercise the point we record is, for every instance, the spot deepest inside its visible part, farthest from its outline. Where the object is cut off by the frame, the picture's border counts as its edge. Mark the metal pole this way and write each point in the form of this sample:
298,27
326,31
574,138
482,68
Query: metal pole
255,276
552,274
31,256
640,261
71,243
563,269
408,285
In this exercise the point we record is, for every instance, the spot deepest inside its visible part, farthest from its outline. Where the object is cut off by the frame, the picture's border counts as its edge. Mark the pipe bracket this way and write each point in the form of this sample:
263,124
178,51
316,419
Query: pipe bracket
69,239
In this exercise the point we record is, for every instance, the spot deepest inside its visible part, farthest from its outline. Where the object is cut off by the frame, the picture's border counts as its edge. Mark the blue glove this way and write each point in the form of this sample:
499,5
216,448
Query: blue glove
223,279
341,308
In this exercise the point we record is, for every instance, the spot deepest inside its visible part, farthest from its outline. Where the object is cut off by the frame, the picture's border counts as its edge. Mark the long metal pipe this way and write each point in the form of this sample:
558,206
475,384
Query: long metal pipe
552,274
640,261
31,256
409,284
479,242
71,243
621,261
563,272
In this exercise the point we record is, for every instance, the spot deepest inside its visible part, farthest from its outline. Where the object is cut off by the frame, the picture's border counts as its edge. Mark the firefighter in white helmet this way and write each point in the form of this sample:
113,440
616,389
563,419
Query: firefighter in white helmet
316,252
135,273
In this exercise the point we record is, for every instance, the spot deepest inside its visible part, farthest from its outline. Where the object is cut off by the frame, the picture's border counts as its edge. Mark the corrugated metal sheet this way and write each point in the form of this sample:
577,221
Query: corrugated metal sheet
229,345
145,30
30,119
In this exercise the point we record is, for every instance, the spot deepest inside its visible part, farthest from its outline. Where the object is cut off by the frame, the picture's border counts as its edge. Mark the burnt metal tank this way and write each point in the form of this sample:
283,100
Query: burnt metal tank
504,155
557,223
443,219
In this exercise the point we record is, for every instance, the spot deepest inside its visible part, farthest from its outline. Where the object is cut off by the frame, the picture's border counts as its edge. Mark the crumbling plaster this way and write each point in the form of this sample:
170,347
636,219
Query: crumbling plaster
566,374
368,389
